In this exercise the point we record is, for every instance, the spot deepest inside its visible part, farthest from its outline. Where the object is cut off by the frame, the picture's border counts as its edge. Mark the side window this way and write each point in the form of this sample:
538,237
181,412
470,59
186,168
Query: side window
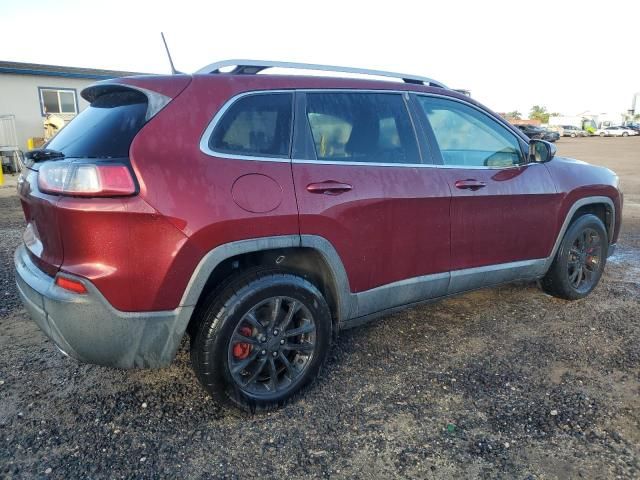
255,125
361,127
469,138
58,100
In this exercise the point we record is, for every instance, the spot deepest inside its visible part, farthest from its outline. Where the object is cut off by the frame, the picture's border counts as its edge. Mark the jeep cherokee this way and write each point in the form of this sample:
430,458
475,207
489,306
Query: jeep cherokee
263,213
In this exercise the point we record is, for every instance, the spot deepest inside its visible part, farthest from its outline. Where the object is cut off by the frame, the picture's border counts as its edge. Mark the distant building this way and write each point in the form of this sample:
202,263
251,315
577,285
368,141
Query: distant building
635,104
29,90
589,120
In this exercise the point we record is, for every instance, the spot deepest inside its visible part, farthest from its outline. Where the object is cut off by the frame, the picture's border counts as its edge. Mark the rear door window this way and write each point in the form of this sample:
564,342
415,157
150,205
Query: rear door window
361,127
105,129
257,125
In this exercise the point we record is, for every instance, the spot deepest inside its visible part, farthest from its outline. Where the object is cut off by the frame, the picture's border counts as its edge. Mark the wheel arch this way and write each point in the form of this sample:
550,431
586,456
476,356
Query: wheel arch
309,256
601,206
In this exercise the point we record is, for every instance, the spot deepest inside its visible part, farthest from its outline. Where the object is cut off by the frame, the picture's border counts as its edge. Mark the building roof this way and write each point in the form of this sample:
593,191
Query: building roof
60,71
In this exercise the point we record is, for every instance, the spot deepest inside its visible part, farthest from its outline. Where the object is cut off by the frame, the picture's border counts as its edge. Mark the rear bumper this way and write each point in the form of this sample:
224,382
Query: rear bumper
89,329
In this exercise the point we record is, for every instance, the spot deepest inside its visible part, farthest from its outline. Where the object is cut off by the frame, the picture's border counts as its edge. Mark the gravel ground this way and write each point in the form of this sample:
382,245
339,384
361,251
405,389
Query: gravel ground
502,383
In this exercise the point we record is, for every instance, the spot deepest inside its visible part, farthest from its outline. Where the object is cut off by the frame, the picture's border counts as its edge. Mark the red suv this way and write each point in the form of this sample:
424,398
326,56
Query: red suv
261,214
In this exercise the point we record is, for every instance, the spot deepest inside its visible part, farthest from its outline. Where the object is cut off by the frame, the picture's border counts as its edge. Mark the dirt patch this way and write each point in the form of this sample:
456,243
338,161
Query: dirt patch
501,383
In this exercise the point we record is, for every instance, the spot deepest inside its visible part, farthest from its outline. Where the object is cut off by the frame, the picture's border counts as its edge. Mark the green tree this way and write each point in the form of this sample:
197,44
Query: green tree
516,115
539,113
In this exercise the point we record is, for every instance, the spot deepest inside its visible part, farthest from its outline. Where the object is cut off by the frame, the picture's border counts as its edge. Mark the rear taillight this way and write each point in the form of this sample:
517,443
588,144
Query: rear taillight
86,179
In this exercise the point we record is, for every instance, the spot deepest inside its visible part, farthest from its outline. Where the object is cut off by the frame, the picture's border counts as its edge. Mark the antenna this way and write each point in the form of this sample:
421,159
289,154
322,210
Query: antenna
173,69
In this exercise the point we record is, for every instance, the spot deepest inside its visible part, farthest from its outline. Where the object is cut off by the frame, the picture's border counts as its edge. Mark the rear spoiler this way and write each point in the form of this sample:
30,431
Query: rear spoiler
159,89
156,101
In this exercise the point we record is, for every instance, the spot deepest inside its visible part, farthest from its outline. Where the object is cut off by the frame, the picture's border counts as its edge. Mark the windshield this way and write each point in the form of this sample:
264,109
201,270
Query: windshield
105,129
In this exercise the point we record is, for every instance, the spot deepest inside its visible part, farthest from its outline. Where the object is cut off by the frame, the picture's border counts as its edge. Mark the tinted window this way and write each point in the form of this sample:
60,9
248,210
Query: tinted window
255,125
104,129
468,137
361,127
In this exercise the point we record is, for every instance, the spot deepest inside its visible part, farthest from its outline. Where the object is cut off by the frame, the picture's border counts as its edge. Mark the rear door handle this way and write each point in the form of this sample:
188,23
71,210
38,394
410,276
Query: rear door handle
329,187
470,184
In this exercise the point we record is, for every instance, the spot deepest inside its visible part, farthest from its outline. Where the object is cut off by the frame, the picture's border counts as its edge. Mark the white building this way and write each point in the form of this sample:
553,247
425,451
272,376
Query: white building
28,90
635,104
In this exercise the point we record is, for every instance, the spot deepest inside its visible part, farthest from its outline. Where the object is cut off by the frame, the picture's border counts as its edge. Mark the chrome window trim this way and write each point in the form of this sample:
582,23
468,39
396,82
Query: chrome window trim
204,139
368,164
206,136
156,101
407,165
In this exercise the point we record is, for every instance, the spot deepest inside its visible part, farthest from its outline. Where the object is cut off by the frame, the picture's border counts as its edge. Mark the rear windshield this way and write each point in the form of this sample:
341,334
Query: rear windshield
104,129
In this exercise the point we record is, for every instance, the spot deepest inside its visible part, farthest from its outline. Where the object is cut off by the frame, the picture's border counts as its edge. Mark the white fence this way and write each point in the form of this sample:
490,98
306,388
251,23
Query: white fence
9,151
8,137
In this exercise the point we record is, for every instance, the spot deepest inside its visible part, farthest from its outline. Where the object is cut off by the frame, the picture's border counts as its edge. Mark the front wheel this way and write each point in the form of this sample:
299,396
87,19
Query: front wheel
603,134
580,260
573,135
261,340
625,134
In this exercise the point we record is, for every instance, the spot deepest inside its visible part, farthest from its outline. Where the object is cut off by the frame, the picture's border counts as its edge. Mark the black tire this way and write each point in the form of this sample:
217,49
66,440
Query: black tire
579,261
243,304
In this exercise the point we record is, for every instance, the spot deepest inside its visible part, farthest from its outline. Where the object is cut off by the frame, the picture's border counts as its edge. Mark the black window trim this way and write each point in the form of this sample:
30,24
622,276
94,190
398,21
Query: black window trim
433,144
206,135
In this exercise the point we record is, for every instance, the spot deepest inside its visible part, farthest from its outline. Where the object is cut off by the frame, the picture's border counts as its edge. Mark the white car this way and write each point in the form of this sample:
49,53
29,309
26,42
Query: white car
615,132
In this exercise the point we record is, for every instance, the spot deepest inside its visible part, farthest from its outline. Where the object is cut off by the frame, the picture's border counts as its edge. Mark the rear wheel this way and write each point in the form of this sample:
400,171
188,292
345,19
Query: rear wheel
602,134
262,340
573,135
580,260
625,134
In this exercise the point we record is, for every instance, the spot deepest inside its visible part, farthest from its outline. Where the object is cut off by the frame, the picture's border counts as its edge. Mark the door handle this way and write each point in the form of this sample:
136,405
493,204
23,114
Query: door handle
470,184
329,187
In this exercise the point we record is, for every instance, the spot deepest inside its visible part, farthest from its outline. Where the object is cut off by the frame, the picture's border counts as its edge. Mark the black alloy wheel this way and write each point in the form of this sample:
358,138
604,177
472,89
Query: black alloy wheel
261,338
584,260
271,346
580,260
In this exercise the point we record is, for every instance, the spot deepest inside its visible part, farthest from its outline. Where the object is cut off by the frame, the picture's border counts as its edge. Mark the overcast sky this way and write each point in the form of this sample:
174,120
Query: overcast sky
569,56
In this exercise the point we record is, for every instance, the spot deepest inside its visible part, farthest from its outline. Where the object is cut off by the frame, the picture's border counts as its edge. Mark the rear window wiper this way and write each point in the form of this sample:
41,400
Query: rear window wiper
41,154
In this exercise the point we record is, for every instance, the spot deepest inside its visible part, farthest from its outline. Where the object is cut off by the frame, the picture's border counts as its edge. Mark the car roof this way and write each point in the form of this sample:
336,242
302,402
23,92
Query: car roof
270,81
245,83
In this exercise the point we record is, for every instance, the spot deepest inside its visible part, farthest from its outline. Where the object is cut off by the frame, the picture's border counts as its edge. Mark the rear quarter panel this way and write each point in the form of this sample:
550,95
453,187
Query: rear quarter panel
193,190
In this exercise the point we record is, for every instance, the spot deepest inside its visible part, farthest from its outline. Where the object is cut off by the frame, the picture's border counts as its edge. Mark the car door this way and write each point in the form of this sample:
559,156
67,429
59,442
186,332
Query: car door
503,209
362,185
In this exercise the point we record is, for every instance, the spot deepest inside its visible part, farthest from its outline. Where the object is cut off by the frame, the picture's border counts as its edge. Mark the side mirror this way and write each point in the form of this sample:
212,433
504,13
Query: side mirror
541,151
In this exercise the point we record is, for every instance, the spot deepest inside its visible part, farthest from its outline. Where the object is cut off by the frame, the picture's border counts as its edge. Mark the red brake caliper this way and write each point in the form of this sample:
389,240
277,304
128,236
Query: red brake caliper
242,350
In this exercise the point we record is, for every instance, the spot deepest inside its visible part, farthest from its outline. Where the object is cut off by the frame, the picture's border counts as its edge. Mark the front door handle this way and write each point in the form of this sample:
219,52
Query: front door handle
470,184
329,187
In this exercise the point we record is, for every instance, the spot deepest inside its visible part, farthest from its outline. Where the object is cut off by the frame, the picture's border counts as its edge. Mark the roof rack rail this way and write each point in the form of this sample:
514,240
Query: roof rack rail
251,67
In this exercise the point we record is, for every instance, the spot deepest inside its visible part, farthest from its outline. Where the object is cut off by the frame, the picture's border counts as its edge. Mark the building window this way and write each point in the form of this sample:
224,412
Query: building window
58,100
